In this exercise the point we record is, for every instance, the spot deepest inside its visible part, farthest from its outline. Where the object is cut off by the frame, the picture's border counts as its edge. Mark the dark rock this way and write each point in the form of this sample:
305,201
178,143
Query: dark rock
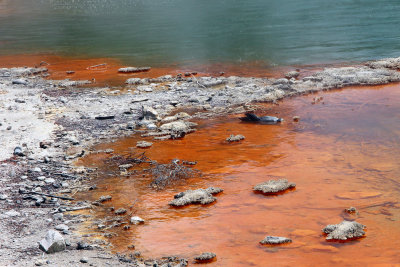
83,246
105,117
18,152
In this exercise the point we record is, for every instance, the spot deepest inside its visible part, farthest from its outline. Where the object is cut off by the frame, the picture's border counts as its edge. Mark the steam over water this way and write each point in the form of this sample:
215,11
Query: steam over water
185,32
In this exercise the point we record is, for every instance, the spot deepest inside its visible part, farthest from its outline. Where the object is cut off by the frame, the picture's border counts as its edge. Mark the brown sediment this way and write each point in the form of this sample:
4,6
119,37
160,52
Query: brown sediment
347,146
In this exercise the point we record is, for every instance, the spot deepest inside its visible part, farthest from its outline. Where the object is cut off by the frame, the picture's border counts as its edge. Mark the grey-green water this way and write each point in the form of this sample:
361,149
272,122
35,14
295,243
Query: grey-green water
186,32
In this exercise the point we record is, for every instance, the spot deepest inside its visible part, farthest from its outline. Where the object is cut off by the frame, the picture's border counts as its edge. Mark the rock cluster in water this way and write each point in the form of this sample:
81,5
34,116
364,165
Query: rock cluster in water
274,186
344,230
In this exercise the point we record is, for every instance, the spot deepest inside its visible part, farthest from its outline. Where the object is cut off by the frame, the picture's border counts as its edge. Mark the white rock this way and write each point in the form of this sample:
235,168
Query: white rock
136,220
52,243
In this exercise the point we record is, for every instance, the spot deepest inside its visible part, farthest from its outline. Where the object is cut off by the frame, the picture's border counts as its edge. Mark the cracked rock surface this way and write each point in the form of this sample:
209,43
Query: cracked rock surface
344,230
274,186
198,196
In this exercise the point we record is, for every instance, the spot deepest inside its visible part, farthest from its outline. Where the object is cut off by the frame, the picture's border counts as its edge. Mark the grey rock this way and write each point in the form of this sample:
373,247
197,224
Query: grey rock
68,83
344,230
84,260
292,74
20,81
120,211
205,256
275,240
104,198
390,63
124,166
37,169
134,81
136,220
274,186
235,138
176,126
12,213
198,196
40,262
49,180
133,69
3,197
58,216
62,227
52,243
144,144
149,113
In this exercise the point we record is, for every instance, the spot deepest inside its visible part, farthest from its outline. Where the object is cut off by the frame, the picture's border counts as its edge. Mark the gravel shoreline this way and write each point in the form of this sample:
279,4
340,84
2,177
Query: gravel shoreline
52,123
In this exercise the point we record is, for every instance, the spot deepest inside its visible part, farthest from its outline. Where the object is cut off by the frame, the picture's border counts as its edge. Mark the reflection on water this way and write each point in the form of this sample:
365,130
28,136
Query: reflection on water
191,32
342,153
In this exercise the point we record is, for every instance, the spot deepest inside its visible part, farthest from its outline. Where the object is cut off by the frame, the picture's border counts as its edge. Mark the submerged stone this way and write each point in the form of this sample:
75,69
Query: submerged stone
274,186
144,144
275,240
344,230
198,196
133,69
205,256
235,138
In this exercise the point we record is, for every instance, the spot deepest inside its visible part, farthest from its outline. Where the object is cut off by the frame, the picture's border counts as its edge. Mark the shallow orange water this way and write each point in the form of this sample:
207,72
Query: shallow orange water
104,71
343,152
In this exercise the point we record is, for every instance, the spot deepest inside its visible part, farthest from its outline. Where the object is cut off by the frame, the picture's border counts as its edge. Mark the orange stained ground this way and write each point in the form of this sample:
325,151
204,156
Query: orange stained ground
105,70
343,152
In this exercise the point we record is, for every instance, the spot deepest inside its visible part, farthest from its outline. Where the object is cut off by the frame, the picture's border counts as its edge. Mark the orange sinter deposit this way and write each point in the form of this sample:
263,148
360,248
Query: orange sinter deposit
343,152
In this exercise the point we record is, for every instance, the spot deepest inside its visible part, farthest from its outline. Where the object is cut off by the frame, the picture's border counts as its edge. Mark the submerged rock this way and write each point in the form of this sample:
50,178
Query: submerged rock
274,186
205,256
235,138
52,243
275,240
144,144
198,196
133,69
344,230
